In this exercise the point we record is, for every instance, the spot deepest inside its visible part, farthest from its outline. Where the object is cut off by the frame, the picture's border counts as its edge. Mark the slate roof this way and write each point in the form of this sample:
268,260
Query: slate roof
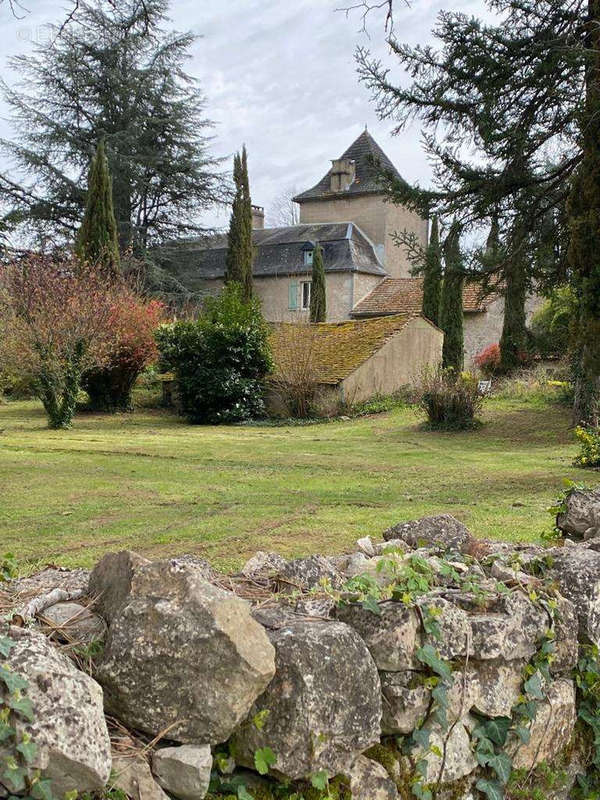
405,296
279,252
336,348
369,159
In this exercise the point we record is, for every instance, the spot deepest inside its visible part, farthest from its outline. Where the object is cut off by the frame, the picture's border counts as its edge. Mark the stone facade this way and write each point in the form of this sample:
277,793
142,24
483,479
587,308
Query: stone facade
377,219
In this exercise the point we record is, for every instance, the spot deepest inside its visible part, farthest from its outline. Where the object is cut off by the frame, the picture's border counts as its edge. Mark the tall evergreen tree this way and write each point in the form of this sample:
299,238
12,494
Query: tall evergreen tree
524,90
240,252
451,315
318,297
114,73
432,275
513,341
97,241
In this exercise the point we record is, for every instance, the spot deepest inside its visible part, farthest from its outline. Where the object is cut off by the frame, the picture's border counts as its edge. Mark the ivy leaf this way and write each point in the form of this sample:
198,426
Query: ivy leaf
243,793
421,738
6,645
502,766
429,655
14,776
523,733
320,780
12,680
533,686
42,790
6,731
264,758
371,604
27,749
421,792
22,706
491,789
495,729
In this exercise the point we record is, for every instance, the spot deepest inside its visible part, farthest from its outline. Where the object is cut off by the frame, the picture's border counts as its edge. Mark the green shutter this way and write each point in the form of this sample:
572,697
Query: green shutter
293,296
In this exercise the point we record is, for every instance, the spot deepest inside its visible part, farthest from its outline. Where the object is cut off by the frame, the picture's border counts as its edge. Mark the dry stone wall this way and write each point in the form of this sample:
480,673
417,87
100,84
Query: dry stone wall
427,665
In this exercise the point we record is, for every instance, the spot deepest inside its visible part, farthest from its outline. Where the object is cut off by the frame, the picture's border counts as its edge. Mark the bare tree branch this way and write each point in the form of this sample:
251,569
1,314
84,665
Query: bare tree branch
367,7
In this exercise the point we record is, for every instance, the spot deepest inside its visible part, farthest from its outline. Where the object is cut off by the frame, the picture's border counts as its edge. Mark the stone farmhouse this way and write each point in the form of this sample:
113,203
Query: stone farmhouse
367,274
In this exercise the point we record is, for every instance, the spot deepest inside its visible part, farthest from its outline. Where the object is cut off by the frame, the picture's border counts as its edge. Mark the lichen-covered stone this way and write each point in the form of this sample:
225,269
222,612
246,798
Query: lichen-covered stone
263,564
405,701
552,728
69,729
322,708
577,572
443,531
73,622
110,581
511,630
185,655
581,517
183,771
457,759
311,571
392,636
370,781
455,636
132,775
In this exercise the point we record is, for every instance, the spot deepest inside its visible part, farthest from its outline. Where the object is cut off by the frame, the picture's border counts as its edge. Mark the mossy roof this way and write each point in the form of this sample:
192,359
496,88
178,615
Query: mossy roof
405,296
334,349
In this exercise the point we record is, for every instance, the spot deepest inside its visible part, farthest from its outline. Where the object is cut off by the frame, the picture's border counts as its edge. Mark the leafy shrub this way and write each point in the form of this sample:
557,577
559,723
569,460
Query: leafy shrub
589,444
295,382
551,324
55,324
220,360
451,401
133,346
488,360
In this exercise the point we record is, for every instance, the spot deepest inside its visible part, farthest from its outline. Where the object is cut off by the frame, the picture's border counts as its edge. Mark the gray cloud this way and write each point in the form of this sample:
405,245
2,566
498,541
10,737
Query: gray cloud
280,77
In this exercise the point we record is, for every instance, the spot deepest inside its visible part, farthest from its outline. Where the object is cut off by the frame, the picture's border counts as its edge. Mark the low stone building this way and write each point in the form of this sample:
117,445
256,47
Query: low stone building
366,273
351,362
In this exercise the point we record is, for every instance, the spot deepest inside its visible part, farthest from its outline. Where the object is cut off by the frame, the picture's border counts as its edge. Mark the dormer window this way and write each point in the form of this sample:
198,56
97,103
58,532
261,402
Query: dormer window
308,249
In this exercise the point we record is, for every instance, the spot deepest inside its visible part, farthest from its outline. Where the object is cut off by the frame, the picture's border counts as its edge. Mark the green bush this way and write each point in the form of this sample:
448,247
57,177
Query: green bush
220,360
451,401
589,447
551,324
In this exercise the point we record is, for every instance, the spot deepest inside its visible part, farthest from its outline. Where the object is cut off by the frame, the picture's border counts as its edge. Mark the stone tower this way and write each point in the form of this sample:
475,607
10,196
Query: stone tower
351,192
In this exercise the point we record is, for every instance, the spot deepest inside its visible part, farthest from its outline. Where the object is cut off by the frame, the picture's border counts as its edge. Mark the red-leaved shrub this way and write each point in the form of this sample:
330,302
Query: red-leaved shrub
489,360
132,347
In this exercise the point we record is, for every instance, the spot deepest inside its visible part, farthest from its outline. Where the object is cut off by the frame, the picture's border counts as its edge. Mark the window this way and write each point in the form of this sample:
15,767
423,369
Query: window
305,285
308,258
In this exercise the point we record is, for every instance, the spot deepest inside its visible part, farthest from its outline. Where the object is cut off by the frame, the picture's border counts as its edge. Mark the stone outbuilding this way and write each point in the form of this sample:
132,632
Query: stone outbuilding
351,362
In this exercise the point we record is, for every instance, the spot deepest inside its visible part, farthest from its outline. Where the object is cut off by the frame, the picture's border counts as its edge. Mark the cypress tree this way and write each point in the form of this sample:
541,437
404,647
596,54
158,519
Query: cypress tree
97,241
318,299
432,279
238,261
451,314
513,341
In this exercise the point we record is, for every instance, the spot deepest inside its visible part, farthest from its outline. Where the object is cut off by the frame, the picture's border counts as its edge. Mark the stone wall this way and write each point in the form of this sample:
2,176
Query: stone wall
429,664
484,329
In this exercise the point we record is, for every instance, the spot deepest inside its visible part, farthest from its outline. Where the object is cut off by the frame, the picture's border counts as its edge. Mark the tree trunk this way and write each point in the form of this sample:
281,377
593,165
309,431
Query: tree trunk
513,341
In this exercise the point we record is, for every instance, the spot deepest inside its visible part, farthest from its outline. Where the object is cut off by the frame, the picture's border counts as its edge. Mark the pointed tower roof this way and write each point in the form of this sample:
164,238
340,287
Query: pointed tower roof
369,159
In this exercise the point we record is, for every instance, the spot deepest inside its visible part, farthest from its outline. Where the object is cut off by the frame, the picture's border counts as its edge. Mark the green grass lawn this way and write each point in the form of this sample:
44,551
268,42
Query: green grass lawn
150,482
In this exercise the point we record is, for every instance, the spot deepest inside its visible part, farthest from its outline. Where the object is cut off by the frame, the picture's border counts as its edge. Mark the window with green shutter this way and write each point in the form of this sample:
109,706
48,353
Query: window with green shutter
293,296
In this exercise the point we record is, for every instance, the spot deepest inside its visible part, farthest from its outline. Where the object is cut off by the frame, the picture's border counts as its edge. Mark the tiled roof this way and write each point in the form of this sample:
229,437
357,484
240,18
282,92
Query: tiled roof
278,251
405,296
334,349
369,159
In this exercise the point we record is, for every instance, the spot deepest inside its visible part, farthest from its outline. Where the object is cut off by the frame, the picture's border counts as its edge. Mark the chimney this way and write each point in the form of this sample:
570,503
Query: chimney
343,172
258,218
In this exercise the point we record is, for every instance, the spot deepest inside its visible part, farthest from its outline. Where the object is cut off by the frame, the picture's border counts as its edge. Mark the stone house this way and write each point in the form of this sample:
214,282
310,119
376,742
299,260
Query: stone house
350,362
366,274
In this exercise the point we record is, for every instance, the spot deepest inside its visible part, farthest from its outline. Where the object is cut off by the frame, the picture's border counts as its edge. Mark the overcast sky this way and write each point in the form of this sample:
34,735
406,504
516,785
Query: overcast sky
278,75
